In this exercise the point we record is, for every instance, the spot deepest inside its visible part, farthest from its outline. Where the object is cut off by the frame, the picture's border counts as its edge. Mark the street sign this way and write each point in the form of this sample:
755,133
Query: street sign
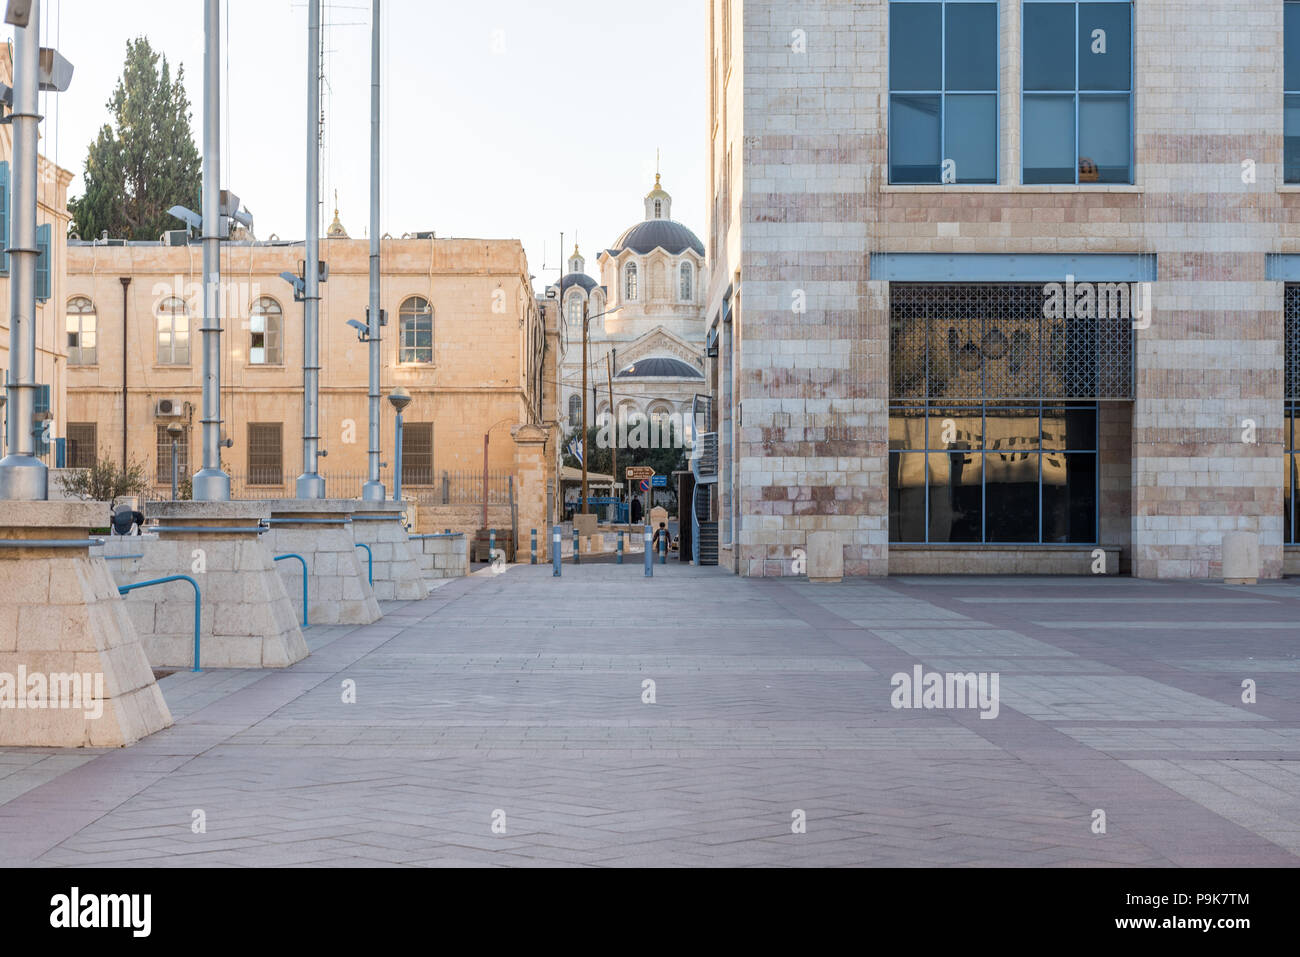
636,472
659,481
645,485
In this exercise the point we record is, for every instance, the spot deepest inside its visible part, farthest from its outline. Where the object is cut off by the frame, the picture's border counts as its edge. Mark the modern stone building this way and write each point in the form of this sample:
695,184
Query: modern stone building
651,332
1005,286
464,337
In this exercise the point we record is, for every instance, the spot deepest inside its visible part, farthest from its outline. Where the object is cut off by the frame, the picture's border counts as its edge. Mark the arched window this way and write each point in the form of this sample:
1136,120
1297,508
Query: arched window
266,333
415,331
173,333
629,282
659,209
575,310
82,349
686,291
575,411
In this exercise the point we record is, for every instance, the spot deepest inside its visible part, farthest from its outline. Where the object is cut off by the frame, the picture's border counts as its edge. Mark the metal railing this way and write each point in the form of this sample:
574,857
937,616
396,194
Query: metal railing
198,603
303,561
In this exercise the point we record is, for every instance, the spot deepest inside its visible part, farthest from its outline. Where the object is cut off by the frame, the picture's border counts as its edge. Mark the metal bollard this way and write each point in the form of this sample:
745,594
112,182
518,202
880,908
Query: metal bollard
620,548
649,554
532,546
555,552
492,545
663,547
576,560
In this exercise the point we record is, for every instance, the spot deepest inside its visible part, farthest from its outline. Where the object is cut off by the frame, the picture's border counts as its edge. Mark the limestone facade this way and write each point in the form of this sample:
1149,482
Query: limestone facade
803,208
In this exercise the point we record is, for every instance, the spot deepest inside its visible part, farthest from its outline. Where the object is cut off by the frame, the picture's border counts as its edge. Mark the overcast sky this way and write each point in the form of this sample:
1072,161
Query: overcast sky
503,118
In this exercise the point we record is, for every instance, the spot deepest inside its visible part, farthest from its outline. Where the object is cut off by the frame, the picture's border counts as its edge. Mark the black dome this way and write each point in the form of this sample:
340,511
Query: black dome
660,367
577,279
653,234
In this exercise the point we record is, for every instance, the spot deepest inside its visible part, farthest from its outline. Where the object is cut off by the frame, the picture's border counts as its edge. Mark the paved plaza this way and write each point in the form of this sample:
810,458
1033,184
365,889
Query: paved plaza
505,720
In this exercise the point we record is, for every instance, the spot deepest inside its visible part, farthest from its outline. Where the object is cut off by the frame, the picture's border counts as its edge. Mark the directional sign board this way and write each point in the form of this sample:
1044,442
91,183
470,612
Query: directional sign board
637,472
659,481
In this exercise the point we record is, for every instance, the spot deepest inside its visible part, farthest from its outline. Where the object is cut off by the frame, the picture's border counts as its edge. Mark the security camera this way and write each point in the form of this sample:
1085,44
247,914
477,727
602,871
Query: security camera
362,332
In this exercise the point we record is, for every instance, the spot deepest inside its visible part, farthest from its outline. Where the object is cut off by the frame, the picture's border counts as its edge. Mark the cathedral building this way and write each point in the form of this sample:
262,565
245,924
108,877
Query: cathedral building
645,326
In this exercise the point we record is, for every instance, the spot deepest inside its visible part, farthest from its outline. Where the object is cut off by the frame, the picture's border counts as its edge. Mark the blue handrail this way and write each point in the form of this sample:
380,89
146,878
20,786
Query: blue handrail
198,603
281,558
370,559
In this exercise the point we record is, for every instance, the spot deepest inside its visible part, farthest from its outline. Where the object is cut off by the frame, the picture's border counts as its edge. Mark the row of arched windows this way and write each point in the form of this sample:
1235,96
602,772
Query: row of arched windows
265,331
685,282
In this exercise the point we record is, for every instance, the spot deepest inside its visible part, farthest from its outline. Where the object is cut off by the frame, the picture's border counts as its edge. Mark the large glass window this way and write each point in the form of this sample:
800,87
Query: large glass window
1291,436
686,289
416,331
1291,84
943,83
993,474
173,334
630,282
266,333
1077,109
82,345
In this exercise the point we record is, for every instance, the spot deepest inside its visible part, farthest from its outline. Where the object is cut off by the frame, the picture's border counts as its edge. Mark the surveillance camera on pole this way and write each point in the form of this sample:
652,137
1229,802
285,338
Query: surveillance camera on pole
363,332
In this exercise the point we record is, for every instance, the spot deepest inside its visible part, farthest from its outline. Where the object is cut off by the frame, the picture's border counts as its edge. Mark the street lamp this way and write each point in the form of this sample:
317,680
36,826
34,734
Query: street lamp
175,432
24,477
586,452
399,399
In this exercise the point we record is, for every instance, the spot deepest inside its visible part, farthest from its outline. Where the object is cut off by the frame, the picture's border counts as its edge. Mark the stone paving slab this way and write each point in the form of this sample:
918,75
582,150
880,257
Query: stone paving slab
518,699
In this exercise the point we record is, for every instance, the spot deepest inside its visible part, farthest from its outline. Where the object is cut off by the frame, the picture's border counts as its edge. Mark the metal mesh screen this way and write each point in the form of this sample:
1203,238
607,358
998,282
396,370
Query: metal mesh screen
265,453
993,341
1293,343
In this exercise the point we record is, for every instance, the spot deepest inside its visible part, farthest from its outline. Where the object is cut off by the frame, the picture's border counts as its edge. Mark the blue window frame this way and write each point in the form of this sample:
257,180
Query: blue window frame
1077,86
1291,85
45,253
993,473
943,91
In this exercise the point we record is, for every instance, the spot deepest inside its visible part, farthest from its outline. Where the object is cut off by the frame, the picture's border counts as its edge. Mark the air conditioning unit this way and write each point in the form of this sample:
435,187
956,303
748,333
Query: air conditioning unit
169,408
176,237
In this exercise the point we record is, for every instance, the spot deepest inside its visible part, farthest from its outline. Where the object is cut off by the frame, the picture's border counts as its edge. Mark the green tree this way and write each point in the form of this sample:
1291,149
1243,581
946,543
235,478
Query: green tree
144,161
669,457
104,481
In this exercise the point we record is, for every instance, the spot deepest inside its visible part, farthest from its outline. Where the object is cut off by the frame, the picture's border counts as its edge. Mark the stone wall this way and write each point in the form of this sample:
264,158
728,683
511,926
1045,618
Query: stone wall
441,556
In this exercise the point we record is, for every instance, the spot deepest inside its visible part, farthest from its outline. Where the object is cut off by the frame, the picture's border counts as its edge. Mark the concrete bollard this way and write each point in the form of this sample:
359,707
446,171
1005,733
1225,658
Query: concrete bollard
825,557
555,552
532,546
1241,565
649,553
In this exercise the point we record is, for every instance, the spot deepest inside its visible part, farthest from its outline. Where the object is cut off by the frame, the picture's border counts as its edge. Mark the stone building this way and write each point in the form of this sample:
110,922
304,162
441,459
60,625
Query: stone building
651,333
52,345
1005,286
464,336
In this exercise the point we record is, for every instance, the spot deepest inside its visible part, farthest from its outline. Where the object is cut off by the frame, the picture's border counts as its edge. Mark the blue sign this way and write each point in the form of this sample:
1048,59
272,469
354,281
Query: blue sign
659,481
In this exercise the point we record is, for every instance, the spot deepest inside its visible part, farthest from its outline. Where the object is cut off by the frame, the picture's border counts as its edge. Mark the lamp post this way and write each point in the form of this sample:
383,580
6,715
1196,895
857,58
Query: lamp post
373,490
399,398
310,484
175,431
586,452
211,483
24,477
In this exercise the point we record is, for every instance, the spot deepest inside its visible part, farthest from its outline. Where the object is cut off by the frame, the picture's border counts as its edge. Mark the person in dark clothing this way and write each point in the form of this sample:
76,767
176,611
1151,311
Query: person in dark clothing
661,535
636,511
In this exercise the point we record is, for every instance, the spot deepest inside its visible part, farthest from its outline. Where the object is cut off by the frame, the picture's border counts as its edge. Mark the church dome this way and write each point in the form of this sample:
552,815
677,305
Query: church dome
658,230
577,279
660,367
671,236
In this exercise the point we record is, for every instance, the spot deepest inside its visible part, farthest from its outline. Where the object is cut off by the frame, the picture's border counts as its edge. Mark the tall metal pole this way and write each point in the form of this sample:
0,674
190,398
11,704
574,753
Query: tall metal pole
586,452
397,458
310,484
23,476
373,490
210,483
126,404
613,421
